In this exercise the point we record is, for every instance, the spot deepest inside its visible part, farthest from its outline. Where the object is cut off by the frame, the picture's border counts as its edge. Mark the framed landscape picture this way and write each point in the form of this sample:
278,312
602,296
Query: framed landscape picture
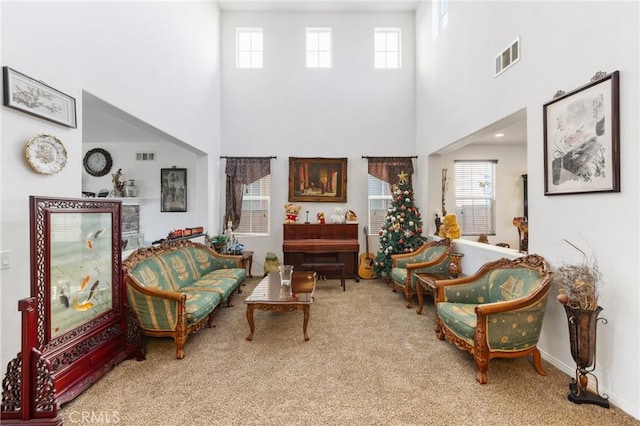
318,179
582,139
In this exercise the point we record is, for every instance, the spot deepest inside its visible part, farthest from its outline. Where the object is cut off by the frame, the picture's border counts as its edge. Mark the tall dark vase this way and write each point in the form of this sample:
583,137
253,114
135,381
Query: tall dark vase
582,334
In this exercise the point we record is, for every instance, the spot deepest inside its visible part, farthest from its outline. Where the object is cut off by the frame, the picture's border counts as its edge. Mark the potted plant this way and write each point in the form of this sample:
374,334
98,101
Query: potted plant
578,287
218,242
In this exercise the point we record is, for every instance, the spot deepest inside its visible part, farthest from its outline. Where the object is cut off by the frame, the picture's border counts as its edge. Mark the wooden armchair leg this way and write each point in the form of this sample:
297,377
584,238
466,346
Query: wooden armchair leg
482,365
181,339
407,296
481,376
537,362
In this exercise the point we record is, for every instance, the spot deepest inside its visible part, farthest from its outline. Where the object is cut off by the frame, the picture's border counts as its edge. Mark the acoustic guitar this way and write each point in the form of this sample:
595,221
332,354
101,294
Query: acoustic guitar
365,269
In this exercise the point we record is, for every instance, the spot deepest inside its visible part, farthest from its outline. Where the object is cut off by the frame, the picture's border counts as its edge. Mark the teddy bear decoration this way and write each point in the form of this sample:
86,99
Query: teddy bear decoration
450,227
320,218
338,216
291,213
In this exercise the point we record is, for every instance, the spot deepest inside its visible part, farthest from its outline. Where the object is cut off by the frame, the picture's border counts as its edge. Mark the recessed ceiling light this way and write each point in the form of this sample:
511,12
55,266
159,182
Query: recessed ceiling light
498,135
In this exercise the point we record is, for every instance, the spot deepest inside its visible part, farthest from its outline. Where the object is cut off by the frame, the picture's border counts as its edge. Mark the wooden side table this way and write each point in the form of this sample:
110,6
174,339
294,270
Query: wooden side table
247,261
428,283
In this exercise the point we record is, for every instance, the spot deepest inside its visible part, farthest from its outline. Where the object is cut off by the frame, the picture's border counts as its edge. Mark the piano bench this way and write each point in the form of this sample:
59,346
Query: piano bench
331,266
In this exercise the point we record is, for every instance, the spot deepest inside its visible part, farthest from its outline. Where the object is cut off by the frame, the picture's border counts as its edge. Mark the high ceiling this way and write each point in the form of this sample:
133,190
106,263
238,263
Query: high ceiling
319,5
103,122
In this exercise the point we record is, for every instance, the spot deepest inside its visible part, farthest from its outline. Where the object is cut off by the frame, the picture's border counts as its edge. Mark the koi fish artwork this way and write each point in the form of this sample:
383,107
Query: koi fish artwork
92,236
85,281
84,306
93,290
64,299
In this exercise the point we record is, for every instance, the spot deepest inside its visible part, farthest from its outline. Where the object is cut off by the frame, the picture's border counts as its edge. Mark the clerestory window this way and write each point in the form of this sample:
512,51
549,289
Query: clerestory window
318,51
249,47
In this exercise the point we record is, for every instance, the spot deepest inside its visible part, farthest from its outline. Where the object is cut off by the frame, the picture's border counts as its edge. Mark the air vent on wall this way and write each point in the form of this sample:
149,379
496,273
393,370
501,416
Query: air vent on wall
505,59
145,156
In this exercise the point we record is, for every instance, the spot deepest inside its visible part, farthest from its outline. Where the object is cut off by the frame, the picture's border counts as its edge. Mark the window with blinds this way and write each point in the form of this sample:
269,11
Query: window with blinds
475,196
379,202
256,200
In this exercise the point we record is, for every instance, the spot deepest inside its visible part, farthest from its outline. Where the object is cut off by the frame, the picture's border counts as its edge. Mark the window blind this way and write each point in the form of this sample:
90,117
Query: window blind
475,196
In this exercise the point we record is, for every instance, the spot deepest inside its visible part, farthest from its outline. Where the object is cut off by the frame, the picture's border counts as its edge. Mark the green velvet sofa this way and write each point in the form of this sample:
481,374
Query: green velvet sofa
174,288
496,312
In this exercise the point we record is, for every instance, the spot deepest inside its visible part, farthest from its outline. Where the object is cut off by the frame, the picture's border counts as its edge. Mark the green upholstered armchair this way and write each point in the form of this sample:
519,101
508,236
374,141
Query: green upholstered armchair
497,312
430,258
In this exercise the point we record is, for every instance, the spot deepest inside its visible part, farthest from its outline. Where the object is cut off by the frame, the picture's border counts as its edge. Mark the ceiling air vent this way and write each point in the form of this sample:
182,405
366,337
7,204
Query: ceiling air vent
145,156
505,59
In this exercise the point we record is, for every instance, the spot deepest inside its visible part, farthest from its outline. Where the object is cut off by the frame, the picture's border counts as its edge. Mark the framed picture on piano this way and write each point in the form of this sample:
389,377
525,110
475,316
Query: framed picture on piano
318,179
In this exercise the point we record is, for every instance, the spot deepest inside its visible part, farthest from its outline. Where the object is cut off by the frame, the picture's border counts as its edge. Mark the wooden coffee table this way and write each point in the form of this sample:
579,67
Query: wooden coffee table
269,295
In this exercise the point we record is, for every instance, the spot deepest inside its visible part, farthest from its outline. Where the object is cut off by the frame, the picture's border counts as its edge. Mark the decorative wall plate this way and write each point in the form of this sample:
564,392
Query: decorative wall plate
46,154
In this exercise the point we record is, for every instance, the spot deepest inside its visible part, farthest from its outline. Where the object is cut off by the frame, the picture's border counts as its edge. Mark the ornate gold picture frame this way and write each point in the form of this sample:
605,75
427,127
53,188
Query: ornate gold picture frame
318,179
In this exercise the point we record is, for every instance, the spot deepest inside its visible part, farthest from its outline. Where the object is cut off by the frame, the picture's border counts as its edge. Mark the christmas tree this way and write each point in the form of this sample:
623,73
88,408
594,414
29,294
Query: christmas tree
401,231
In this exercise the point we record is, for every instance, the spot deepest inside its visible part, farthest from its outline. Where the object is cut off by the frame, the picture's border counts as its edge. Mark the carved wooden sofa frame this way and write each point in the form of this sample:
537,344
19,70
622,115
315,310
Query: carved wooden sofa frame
406,265
165,313
490,338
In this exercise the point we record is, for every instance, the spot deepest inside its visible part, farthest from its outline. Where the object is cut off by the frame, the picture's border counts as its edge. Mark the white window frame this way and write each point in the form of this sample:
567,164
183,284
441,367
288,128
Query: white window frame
263,186
387,53
475,192
375,217
254,52
317,53
440,13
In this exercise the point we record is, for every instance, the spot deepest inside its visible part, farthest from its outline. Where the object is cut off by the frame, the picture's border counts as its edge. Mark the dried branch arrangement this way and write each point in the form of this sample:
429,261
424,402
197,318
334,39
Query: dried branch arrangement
445,187
578,284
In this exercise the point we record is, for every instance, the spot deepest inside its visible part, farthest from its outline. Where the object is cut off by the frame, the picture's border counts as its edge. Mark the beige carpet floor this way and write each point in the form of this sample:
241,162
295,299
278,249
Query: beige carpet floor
369,361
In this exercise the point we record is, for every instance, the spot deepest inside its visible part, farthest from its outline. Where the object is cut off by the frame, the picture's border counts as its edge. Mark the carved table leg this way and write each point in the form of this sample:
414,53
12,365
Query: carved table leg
305,309
252,325
420,298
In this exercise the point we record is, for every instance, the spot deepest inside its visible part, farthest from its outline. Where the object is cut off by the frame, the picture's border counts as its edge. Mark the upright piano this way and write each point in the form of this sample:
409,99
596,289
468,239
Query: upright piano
317,243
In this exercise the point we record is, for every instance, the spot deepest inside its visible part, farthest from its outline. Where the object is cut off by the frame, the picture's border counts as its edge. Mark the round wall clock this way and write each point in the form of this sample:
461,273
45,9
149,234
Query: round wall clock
97,162
46,154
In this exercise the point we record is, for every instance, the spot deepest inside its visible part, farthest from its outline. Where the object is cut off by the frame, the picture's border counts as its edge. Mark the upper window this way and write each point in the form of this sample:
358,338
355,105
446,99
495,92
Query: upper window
476,196
249,47
379,202
256,199
387,48
318,53
440,13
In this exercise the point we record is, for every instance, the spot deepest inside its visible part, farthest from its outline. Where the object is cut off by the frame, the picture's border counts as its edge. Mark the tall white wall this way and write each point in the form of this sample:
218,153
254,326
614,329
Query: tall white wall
287,110
563,44
158,61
